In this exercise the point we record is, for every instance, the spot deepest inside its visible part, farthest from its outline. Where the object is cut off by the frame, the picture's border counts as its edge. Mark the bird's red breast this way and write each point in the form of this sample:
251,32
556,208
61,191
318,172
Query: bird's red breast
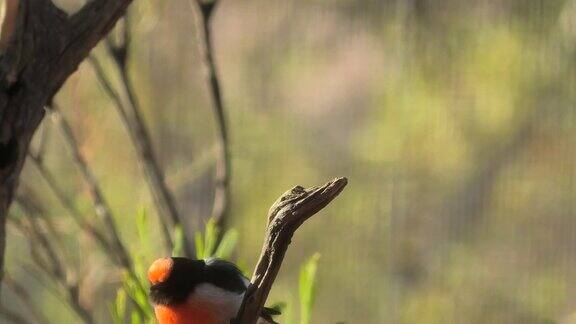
189,313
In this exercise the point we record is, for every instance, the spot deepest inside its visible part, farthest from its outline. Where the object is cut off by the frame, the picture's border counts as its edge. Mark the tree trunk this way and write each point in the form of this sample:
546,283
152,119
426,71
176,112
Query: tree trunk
44,46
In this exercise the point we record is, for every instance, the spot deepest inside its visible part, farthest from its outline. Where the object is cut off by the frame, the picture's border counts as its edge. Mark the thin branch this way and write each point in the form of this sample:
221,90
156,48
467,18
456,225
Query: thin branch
55,270
23,225
35,256
71,297
26,299
101,206
96,18
28,202
70,206
87,27
34,272
285,216
220,208
148,159
165,223
11,316
140,135
110,249
57,267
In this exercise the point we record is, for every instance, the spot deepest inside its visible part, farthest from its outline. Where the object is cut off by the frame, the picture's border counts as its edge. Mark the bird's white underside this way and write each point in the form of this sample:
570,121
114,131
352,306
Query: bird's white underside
228,303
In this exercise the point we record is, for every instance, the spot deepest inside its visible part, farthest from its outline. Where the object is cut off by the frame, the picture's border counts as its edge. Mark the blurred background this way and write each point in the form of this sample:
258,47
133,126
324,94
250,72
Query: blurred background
454,121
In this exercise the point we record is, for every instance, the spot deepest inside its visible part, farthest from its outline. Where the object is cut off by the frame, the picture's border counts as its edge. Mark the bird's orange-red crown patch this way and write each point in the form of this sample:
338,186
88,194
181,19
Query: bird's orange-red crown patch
160,270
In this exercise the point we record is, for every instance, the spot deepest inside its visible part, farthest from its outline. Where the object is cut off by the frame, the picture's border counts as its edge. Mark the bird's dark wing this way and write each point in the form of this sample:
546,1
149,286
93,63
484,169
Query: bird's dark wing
225,275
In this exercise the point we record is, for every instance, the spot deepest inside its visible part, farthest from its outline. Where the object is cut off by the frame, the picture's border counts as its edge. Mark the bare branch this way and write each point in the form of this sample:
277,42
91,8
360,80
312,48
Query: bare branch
101,206
55,270
115,247
285,216
44,48
116,255
26,299
220,208
131,116
165,222
70,298
11,316
28,202
136,126
87,27
44,243
70,207
96,18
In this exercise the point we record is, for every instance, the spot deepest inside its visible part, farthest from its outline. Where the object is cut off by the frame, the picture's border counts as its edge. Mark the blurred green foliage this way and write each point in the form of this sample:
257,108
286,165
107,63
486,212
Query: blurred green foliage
308,288
454,121
207,246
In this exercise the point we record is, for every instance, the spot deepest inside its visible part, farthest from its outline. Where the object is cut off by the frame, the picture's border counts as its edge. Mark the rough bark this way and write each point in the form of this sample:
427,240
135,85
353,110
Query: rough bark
44,49
285,216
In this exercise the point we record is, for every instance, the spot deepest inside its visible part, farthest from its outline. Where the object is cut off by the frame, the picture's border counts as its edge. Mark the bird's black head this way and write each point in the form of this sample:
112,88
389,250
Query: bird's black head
173,279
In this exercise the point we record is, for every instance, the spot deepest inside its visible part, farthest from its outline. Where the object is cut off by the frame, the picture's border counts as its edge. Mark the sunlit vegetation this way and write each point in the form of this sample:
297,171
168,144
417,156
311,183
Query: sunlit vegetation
454,121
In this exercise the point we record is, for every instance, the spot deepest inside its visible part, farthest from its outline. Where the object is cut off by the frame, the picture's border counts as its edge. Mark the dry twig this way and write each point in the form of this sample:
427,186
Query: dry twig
101,206
47,260
148,165
131,115
284,217
11,316
110,243
220,207
22,294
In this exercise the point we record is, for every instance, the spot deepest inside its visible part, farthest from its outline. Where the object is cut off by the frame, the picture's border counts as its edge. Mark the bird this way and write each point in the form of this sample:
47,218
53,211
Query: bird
189,291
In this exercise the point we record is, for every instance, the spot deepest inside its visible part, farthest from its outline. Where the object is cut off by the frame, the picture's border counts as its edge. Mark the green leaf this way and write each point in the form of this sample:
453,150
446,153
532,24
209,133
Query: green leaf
178,241
308,288
199,243
142,226
135,318
118,307
210,238
288,312
121,302
227,245
138,295
115,317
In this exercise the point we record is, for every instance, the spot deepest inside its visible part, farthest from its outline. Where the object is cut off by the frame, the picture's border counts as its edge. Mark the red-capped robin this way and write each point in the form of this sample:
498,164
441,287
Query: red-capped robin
185,291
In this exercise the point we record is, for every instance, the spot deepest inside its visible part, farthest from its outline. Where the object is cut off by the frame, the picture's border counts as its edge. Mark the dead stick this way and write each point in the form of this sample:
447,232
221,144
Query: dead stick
285,216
